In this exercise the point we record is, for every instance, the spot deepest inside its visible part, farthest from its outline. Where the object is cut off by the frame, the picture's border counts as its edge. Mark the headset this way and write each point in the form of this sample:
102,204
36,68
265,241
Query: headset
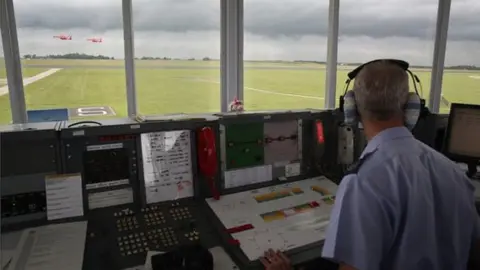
414,109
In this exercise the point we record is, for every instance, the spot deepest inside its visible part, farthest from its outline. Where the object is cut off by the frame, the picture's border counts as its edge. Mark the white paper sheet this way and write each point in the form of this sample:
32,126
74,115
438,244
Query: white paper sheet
110,198
279,222
52,247
7,258
64,196
248,176
292,169
167,165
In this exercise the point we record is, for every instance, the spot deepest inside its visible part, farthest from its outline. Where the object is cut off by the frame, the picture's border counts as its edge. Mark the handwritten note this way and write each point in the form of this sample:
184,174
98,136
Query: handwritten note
167,165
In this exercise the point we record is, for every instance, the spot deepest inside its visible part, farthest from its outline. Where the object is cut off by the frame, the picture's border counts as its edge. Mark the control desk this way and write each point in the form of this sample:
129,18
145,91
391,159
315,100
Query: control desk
112,194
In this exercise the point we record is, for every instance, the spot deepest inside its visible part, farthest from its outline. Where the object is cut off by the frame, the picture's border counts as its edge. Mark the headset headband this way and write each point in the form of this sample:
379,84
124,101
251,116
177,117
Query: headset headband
402,64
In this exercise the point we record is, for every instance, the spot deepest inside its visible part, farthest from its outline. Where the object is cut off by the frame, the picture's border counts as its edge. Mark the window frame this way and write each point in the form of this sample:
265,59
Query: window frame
231,56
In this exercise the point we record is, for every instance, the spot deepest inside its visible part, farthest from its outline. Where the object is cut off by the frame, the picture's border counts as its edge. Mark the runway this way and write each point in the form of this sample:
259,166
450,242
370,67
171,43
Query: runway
29,80
264,91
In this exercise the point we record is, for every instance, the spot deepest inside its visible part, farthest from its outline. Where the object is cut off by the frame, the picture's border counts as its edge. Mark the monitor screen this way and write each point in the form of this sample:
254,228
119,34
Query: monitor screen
463,131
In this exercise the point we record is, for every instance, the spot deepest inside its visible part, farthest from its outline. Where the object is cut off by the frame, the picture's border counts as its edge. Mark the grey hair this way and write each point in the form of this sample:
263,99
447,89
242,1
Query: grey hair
381,91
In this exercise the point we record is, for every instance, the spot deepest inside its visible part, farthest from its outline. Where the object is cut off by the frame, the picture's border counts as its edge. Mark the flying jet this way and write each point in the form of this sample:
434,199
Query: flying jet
95,40
63,37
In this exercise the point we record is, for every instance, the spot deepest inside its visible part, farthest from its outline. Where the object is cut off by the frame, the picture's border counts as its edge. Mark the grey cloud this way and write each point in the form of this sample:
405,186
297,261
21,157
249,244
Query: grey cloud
149,15
376,19
271,18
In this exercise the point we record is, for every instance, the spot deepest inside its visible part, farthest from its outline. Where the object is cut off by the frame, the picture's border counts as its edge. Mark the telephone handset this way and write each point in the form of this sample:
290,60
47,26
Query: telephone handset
207,157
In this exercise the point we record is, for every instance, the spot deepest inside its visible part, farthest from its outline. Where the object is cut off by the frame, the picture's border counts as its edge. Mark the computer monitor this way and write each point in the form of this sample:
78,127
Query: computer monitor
462,138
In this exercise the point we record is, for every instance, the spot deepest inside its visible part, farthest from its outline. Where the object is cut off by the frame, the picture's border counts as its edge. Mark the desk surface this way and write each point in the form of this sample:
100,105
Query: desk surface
10,242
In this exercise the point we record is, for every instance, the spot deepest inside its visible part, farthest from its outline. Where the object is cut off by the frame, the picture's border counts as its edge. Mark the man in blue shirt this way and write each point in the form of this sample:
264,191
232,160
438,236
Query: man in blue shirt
407,206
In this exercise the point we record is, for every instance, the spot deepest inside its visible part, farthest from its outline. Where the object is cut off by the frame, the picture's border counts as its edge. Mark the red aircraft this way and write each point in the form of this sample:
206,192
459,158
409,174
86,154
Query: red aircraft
63,37
95,40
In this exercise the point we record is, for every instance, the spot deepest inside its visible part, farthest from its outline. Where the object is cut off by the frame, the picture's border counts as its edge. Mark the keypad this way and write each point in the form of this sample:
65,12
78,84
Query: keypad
180,213
154,228
127,223
163,237
133,243
193,236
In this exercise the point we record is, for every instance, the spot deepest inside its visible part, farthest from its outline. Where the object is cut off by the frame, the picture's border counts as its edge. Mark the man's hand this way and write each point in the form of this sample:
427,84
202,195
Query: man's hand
275,261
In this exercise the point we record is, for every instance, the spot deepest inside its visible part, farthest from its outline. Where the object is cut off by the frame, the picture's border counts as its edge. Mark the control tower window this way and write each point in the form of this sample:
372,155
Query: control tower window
177,44
284,54
379,30
461,75
71,60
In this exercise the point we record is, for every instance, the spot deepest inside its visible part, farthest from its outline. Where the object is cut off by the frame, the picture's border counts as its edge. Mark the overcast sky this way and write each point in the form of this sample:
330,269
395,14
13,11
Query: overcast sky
274,29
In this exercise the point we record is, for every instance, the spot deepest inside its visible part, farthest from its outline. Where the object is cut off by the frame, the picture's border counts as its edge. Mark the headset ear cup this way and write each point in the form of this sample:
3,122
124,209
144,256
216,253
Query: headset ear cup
350,108
412,110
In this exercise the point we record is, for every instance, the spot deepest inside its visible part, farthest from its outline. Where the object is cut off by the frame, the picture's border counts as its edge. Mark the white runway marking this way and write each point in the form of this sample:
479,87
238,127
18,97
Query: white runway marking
268,91
475,77
29,80
282,94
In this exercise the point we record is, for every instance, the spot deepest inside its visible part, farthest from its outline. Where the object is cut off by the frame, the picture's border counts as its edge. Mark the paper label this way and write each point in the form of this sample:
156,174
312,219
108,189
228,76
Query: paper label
292,170
110,198
98,147
107,184
248,176
64,196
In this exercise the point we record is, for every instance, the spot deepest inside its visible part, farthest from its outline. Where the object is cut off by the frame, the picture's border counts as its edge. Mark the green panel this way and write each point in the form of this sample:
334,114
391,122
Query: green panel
244,155
244,145
244,132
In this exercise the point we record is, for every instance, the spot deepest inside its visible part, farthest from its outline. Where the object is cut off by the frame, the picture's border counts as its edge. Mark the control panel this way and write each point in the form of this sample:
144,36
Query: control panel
262,148
106,163
27,153
284,217
134,231
241,182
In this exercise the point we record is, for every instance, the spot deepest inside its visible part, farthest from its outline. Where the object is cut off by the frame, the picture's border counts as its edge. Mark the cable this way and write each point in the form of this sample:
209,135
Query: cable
280,138
85,122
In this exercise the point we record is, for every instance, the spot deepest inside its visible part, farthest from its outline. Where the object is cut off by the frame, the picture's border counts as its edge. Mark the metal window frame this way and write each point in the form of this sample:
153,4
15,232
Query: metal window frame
131,91
332,54
232,61
231,56
441,37
12,62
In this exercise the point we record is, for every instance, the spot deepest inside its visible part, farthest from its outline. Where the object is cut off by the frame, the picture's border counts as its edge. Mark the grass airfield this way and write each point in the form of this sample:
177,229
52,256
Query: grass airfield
194,86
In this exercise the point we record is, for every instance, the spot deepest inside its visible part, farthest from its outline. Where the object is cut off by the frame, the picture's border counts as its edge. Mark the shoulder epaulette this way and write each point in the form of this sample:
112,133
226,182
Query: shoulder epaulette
355,167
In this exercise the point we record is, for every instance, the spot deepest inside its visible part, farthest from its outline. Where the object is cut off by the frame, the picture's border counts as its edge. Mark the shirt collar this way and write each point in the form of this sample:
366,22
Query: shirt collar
385,136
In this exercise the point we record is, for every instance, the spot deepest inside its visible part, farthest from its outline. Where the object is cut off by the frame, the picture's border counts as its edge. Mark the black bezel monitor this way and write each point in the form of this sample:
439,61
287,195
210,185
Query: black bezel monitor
462,136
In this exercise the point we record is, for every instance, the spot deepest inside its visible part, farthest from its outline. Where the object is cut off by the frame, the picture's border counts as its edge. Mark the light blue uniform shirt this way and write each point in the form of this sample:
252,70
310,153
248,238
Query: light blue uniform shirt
407,207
